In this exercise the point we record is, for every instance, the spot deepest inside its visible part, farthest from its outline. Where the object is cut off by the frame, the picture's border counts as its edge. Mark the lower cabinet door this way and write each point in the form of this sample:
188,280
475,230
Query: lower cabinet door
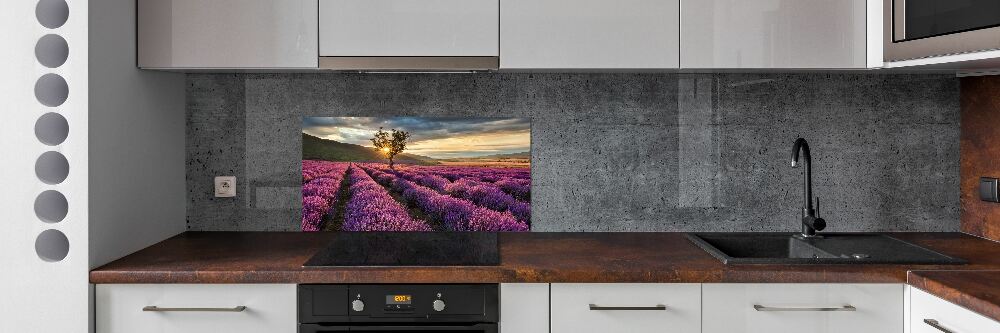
195,308
803,308
930,314
524,308
634,308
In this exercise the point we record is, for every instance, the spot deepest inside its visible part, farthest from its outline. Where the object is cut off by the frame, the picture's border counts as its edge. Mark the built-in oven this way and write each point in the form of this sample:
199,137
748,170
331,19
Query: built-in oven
386,308
916,29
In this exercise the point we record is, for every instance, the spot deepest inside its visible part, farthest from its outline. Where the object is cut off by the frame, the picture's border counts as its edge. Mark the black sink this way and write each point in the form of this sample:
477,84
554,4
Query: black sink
837,248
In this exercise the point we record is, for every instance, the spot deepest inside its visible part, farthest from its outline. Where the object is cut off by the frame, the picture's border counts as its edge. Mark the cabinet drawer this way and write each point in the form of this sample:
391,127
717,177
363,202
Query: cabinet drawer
269,308
946,315
820,308
626,308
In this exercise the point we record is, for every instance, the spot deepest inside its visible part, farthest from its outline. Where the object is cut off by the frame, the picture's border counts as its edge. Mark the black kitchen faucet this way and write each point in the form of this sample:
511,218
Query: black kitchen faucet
810,221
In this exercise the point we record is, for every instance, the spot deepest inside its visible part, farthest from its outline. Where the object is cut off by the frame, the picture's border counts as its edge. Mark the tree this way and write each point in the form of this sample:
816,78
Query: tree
390,144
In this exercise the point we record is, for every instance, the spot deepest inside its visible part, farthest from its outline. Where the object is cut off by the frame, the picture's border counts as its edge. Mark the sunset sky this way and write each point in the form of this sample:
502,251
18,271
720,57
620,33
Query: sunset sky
436,137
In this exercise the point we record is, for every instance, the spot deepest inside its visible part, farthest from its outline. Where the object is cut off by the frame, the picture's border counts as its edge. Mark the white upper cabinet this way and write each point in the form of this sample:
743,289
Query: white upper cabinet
589,34
522,34
779,34
408,28
227,34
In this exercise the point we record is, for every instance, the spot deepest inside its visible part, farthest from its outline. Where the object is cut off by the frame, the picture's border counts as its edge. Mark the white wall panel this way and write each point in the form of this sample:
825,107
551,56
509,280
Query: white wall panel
123,134
39,295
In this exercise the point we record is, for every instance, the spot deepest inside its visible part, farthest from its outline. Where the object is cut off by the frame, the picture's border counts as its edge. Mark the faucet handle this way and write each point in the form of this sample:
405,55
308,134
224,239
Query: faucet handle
819,223
817,206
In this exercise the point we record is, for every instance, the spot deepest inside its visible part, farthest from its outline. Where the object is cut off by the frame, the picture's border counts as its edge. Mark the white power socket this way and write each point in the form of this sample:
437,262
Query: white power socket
225,186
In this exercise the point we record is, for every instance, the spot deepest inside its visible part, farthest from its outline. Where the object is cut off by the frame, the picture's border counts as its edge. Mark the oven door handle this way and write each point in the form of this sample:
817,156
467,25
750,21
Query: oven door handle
402,327
485,328
314,328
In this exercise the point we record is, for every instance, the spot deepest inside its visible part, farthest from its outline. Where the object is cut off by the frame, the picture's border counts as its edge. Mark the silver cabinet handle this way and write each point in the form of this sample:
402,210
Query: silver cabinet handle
935,324
154,308
759,307
595,307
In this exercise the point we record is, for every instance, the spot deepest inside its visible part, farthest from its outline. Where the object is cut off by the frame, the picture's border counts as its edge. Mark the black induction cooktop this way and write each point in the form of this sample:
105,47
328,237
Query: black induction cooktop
409,249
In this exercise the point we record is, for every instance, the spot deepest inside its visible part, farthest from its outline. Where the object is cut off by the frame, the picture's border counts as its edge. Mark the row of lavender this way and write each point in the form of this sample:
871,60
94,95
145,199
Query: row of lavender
465,204
516,181
371,208
488,174
320,183
453,213
490,195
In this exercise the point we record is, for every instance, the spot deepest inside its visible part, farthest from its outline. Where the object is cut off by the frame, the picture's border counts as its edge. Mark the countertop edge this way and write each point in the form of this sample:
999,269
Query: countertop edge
966,297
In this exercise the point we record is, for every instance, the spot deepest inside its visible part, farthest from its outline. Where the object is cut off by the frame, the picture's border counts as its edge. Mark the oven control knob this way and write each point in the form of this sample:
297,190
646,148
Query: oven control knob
358,305
438,305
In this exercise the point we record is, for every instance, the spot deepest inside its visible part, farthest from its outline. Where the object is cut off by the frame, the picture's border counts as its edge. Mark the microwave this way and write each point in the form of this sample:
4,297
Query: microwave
915,29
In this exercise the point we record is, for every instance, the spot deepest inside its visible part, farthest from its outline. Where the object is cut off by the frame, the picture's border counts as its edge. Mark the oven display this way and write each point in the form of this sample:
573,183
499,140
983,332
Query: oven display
398,299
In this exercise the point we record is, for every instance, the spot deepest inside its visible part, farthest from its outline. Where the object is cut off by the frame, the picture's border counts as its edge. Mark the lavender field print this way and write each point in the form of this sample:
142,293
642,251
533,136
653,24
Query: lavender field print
416,174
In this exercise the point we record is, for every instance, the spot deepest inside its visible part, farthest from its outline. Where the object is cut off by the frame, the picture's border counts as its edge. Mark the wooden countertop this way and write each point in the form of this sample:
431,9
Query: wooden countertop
277,257
263,257
978,291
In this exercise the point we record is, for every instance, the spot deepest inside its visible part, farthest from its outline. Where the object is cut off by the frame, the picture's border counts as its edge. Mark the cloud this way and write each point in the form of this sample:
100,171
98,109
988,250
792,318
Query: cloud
431,136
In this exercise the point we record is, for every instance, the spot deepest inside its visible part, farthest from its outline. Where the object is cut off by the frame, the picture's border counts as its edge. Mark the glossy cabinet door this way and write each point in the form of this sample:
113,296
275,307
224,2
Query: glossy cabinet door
524,308
803,308
227,34
196,308
774,34
406,28
626,307
930,314
589,34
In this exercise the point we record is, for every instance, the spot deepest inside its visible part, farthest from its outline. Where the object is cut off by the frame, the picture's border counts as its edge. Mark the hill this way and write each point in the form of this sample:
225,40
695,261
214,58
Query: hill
314,148
522,155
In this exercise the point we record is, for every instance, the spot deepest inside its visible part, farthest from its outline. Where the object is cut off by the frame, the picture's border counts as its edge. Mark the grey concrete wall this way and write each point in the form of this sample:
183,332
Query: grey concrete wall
616,152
